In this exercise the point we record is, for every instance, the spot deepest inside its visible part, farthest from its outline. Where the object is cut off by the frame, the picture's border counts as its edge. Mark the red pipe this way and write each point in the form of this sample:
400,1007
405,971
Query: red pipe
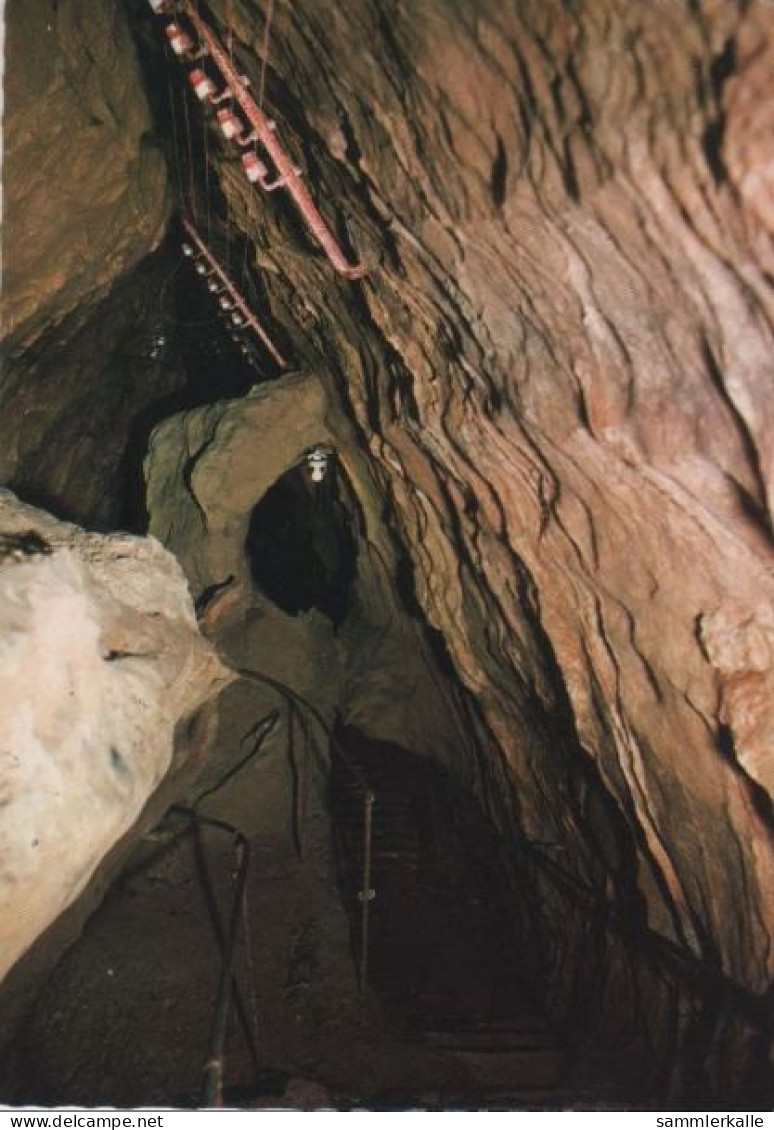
249,316
288,174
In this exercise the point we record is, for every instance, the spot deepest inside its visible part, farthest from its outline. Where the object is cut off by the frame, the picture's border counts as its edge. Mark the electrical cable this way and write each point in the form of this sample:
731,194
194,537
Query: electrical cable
296,700
299,700
192,206
176,161
230,48
261,730
206,140
265,51
194,821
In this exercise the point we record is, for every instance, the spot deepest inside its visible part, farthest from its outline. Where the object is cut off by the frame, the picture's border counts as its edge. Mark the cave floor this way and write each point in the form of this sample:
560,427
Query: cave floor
448,1022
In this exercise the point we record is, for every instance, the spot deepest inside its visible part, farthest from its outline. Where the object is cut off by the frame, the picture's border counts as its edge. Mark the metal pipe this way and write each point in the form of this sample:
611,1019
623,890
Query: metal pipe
227,285
369,799
266,135
288,693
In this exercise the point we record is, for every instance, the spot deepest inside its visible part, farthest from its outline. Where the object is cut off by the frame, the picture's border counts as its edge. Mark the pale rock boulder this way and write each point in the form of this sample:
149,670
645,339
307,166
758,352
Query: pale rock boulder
100,658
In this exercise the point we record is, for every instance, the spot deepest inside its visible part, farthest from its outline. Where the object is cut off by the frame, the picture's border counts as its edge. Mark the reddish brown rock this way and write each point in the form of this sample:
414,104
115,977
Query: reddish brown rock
85,192
561,367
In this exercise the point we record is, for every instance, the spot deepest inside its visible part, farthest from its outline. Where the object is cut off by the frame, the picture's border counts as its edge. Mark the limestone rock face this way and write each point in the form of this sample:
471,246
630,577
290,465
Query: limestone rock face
559,369
562,365
84,202
85,194
101,658
207,469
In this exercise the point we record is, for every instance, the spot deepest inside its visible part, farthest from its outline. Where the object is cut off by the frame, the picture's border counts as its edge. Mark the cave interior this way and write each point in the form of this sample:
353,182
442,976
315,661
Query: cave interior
434,342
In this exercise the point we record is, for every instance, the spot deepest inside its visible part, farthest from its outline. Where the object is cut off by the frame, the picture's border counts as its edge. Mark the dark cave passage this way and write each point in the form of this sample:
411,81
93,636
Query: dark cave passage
443,959
301,543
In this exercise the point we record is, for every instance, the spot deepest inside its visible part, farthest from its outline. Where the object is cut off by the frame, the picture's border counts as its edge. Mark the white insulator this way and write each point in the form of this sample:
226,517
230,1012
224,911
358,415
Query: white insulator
254,167
317,461
179,40
203,86
229,124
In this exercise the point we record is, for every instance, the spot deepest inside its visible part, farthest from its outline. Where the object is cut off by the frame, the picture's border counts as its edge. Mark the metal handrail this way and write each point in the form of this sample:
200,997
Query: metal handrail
227,943
213,1069
367,894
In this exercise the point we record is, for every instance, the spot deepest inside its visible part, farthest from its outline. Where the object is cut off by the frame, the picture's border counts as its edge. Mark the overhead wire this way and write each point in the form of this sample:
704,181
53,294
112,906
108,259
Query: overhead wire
176,161
206,158
230,47
245,273
265,51
192,204
206,140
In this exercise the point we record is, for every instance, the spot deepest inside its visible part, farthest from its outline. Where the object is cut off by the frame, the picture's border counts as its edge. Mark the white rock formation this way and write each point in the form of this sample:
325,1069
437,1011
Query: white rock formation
100,657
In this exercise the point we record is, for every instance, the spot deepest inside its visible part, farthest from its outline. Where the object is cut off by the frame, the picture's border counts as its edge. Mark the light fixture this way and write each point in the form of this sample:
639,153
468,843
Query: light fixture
317,460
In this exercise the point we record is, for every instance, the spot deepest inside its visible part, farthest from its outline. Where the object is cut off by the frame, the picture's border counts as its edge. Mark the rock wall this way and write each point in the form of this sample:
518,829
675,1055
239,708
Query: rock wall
560,366
85,188
101,659
85,335
207,469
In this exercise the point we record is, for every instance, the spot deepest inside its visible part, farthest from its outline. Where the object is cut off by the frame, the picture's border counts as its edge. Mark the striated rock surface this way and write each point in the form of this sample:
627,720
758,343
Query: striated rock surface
561,365
101,659
558,374
85,194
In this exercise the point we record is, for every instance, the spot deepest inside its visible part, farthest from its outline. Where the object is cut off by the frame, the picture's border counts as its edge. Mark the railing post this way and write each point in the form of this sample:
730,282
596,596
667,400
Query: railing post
367,893
213,1070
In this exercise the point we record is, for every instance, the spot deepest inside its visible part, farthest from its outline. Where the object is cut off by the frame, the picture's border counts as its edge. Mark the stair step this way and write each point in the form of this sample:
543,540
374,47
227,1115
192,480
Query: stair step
500,1040
534,1067
472,1026
352,809
392,843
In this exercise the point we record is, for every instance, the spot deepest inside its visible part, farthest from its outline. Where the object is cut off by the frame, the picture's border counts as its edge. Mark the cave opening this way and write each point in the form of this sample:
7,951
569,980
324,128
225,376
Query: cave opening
301,542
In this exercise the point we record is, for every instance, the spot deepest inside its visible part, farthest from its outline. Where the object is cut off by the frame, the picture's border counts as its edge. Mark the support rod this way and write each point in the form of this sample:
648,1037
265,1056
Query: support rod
367,893
213,1071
